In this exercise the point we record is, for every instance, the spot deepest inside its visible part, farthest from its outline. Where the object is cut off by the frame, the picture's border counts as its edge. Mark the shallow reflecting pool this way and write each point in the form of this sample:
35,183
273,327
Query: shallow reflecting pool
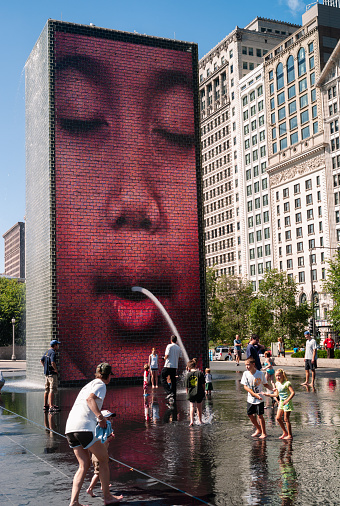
218,462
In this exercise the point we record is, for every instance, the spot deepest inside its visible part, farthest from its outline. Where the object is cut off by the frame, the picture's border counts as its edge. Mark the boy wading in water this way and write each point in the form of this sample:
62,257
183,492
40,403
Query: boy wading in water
253,382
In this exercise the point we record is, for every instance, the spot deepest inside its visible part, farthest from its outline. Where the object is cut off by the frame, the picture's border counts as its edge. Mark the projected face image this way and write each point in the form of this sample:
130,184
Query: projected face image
126,211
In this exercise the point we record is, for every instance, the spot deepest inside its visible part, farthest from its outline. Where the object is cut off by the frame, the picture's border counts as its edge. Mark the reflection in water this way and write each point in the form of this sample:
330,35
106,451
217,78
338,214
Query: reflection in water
289,482
218,461
258,466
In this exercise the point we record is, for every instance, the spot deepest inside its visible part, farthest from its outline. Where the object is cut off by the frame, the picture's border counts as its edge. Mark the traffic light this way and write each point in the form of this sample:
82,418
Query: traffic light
311,326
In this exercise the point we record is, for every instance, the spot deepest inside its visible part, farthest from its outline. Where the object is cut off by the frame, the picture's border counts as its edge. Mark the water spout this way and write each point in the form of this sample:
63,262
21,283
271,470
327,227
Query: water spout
166,316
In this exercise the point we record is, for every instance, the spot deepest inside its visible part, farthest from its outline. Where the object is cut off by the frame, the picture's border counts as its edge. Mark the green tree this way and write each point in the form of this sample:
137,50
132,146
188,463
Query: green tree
12,305
234,296
332,286
275,312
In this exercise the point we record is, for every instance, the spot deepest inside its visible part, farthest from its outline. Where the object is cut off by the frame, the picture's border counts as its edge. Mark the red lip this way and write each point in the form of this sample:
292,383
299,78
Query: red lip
132,311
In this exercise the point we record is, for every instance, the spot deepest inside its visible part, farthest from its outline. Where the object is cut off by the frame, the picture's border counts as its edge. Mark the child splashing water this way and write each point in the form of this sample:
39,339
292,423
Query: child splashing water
284,390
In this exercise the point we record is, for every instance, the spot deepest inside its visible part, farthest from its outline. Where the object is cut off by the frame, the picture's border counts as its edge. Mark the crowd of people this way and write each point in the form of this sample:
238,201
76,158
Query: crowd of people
88,427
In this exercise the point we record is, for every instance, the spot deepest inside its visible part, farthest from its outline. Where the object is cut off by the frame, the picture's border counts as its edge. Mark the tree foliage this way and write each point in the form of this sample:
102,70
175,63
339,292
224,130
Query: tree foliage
332,286
228,299
275,312
12,305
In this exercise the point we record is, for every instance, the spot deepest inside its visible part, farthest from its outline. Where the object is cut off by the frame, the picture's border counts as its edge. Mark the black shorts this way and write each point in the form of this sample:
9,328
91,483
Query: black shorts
255,409
84,439
196,398
310,366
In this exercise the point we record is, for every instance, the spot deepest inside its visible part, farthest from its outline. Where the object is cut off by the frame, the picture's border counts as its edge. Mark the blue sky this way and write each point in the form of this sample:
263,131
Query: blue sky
22,21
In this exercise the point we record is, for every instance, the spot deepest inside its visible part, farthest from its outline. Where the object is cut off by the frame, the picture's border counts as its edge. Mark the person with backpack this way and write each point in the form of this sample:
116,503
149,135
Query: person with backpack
48,360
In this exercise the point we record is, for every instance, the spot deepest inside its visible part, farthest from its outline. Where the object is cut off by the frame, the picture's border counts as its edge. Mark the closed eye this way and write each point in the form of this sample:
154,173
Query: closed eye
178,139
79,126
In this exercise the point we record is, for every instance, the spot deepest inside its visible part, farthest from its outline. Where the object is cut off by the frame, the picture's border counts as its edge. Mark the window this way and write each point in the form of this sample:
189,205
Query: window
262,151
311,62
245,115
302,85
288,235
248,174
267,250
253,110
279,77
298,218
250,205
247,144
245,129
271,75
304,117
312,79
264,184
311,243
259,252
293,122
297,203
267,233
310,47
301,261
314,111
314,275
261,118
260,91
289,263
292,107
250,222
301,62
253,125
315,127
254,140
283,143
266,217
313,95
255,155
290,69
265,200
245,101
282,113
281,98
274,147
299,246
272,118
303,101
308,184
274,133
256,170
285,193
305,133
260,268
258,219
301,276
259,235
297,188
252,270
299,232
283,128
252,253
252,96
311,228
309,199
249,190
287,221
257,203
251,237
268,266
294,138
291,92
309,214
256,187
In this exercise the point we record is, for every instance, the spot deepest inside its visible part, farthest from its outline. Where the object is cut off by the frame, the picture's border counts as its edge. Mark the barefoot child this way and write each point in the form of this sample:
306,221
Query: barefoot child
195,390
284,389
106,437
253,382
268,367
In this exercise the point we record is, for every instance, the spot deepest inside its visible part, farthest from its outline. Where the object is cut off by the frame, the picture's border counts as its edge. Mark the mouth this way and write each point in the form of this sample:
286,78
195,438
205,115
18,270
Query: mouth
129,310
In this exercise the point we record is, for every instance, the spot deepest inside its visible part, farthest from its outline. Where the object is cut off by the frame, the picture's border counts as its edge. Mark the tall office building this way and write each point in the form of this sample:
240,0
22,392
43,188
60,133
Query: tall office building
15,251
299,166
220,71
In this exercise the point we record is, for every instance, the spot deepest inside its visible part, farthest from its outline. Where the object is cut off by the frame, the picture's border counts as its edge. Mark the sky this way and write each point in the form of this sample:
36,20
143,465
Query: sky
203,22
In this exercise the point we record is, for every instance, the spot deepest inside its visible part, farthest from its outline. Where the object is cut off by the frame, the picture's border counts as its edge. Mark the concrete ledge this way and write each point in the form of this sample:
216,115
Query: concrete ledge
300,362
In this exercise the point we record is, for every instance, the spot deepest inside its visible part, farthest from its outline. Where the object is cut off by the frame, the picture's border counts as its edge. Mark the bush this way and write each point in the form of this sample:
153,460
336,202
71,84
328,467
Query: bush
321,354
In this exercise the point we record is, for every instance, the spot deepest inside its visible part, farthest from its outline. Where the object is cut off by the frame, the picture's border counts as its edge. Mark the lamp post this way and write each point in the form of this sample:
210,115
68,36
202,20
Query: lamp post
13,355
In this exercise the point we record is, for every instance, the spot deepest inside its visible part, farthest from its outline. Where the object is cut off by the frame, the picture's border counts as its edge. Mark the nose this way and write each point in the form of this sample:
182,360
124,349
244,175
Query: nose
134,205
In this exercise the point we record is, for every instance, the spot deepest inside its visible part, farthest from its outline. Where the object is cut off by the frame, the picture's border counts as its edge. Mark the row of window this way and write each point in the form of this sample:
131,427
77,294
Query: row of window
303,102
216,178
268,266
308,186
218,204
257,203
260,106
290,67
214,123
219,162
256,170
259,251
298,217
299,233
258,235
257,186
219,246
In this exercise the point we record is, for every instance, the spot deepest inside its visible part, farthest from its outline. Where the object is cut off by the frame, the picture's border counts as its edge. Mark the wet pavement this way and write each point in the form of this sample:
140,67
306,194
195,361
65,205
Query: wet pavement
157,457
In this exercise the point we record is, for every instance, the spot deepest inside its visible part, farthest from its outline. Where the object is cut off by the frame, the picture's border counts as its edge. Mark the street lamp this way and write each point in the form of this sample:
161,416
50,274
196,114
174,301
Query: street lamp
13,355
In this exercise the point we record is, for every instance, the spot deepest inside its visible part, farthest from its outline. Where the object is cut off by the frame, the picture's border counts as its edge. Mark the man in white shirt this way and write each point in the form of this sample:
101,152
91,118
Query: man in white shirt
310,358
168,376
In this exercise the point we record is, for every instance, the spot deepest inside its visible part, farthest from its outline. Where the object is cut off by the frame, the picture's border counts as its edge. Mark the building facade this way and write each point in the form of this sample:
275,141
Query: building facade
15,251
223,176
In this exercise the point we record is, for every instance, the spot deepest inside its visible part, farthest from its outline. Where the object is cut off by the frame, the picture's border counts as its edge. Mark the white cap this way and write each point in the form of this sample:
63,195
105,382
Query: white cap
106,413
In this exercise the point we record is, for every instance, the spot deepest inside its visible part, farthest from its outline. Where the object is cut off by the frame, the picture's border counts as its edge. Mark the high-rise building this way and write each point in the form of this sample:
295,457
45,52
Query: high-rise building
301,179
15,251
220,71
